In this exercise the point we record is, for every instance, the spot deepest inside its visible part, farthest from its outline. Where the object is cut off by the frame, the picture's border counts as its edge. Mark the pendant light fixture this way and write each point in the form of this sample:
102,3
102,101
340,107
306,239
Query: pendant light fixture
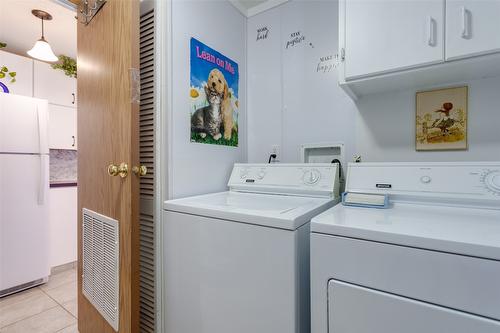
42,50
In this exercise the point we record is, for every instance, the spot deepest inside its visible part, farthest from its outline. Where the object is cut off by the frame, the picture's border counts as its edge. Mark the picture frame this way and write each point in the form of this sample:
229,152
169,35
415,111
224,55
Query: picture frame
441,119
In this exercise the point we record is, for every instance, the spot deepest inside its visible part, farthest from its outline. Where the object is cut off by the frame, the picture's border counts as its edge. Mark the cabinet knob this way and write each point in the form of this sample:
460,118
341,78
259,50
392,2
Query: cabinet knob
118,170
140,170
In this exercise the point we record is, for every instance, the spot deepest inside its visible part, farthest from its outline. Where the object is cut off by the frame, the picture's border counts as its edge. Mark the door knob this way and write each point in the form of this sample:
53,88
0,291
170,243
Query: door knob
140,170
118,170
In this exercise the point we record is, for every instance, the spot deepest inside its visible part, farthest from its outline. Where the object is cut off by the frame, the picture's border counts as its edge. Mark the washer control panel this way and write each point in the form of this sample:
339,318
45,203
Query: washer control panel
317,178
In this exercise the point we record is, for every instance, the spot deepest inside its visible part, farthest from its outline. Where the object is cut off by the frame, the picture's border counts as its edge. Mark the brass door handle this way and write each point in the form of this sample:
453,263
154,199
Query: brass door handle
118,170
140,170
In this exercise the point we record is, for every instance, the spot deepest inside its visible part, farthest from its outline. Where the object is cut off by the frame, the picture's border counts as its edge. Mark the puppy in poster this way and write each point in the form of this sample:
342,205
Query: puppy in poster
214,96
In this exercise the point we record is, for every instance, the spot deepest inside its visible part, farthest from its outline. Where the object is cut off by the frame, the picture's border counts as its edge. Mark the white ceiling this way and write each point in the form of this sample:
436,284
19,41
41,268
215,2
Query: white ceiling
20,29
250,3
253,7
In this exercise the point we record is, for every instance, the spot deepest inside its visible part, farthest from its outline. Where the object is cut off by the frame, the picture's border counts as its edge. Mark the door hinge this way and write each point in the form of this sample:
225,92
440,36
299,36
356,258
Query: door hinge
342,54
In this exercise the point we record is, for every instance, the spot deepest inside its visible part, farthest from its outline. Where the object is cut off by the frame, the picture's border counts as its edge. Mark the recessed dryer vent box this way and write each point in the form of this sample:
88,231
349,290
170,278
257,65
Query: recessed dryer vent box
322,152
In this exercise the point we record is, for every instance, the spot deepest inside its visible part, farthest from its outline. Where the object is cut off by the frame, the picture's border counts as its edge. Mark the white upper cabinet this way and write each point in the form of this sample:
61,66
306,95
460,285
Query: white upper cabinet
23,66
62,127
382,36
472,28
53,85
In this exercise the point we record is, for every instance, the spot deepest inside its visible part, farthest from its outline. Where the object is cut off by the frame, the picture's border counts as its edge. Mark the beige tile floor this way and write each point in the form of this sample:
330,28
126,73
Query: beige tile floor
49,308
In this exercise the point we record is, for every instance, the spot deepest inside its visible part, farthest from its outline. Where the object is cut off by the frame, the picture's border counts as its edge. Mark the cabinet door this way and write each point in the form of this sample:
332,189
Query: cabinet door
62,127
23,67
63,212
53,85
384,36
472,28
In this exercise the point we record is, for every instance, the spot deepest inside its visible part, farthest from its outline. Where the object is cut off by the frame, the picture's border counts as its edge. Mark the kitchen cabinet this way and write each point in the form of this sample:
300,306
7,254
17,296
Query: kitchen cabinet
23,67
62,127
472,28
63,212
53,85
386,36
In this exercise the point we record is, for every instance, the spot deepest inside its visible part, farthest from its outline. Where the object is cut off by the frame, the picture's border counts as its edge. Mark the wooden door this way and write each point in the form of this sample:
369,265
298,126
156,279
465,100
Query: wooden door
472,28
384,36
108,118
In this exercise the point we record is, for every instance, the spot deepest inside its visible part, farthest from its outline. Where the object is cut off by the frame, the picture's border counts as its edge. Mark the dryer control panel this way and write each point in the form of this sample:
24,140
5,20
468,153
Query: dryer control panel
307,179
471,182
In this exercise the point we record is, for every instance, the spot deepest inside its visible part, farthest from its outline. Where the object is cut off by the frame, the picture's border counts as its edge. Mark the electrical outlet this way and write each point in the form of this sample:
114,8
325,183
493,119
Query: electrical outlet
275,149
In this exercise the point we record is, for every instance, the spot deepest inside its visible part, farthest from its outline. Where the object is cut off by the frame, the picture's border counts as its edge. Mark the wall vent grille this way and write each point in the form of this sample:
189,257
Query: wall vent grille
100,264
147,183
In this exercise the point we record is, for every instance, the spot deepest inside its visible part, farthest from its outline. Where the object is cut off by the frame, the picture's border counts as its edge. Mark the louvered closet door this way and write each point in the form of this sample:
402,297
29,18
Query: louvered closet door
147,193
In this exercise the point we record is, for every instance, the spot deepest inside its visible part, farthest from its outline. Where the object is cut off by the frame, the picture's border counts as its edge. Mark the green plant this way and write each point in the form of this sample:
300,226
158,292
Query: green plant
4,71
66,64
2,45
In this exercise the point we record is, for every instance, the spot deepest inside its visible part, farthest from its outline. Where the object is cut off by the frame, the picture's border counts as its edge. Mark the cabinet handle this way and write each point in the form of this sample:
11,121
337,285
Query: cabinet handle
431,32
465,22
73,94
73,137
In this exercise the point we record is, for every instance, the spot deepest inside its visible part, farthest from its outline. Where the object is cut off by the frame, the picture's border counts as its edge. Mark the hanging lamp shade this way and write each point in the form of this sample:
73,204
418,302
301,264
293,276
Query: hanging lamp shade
42,50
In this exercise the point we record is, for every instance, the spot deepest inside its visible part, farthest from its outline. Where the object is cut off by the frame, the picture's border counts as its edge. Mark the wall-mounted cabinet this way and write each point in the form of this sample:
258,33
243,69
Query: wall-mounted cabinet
392,45
385,36
54,85
472,28
23,67
62,127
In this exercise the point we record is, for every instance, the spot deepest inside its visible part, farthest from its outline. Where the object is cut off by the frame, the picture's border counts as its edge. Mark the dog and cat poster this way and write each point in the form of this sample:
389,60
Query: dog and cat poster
214,96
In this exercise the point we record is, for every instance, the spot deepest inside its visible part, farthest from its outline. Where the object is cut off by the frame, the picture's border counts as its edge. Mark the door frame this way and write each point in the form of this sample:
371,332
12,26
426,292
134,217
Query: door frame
163,130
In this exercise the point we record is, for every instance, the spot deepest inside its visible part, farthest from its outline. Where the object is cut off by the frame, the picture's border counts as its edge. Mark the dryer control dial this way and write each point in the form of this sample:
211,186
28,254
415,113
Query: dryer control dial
491,180
243,173
311,177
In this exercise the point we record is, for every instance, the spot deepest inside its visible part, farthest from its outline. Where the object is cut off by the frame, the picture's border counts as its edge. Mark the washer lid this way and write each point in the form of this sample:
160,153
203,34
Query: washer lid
280,211
461,230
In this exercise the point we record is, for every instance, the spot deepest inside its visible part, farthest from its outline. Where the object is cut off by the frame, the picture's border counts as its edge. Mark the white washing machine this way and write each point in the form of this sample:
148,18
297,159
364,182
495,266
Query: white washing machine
429,263
238,261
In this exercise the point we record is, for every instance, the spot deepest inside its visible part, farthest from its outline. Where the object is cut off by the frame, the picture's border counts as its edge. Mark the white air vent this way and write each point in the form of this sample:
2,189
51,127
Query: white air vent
100,280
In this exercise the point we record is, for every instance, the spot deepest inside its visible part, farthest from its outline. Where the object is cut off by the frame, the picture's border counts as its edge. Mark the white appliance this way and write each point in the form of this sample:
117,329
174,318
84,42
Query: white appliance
428,263
238,261
24,185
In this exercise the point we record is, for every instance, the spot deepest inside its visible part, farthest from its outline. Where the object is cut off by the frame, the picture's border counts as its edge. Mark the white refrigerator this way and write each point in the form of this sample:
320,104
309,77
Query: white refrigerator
24,186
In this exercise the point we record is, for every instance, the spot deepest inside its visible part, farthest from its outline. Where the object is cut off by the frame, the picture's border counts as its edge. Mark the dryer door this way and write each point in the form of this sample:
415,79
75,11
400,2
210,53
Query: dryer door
354,309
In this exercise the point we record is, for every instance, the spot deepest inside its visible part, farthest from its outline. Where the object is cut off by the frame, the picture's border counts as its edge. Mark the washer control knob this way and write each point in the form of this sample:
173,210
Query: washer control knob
492,181
261,174
311,177
425,179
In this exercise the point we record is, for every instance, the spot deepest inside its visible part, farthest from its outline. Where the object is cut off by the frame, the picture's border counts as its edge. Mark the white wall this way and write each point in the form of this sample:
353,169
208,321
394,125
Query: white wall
200,168
386,126
289,102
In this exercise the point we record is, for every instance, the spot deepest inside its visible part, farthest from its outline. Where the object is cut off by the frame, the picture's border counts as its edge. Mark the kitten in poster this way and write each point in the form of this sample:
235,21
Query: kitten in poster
207,120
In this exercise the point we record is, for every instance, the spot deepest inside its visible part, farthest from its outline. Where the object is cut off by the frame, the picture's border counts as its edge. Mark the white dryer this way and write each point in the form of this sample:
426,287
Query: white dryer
428,263
238,261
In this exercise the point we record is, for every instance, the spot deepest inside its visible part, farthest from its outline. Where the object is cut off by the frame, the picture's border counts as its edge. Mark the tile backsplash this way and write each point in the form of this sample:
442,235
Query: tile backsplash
63,166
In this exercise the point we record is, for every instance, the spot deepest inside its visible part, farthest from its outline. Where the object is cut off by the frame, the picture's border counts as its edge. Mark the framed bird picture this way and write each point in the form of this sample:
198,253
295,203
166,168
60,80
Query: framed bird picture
441,119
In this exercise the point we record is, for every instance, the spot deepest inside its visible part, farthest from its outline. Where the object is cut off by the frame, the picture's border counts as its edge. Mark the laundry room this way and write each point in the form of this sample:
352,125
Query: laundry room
408,129
250,166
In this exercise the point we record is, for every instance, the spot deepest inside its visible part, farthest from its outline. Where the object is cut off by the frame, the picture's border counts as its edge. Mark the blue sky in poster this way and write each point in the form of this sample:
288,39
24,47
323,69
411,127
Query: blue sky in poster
204,59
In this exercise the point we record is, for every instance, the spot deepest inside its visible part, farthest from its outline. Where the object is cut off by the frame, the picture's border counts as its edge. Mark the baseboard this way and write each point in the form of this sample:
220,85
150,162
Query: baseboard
63,267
